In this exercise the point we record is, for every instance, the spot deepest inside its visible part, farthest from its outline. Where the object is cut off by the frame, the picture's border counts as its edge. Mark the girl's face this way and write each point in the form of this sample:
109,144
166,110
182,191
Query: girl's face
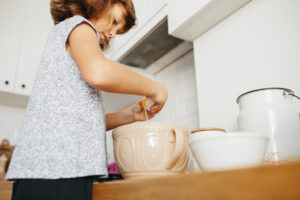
110,22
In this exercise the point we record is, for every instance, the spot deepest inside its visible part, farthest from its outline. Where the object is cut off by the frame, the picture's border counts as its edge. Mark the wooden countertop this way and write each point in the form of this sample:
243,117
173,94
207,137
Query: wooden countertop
267,182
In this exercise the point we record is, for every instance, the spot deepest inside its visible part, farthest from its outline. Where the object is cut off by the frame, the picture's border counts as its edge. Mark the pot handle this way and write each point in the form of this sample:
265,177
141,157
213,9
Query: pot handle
293,95
179,139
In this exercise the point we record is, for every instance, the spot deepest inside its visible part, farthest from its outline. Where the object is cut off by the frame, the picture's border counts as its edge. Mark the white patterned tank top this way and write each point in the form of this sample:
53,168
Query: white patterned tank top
63,131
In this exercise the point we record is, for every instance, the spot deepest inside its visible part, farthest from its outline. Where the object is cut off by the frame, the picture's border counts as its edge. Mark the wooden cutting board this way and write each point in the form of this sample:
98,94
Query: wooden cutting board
266,182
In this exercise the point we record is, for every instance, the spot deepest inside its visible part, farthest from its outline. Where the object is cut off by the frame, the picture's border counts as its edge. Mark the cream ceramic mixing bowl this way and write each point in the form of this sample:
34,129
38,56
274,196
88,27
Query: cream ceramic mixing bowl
151,148
224,151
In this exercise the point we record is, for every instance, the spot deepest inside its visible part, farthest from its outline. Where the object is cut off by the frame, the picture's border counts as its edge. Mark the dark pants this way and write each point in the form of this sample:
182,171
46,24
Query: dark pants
57,189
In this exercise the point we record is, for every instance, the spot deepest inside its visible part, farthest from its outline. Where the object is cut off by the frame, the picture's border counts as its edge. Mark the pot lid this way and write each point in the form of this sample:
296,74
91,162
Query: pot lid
271,88
208,129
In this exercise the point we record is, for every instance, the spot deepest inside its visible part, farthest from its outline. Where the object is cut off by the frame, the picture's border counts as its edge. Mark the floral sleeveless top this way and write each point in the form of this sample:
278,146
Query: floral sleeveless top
63,131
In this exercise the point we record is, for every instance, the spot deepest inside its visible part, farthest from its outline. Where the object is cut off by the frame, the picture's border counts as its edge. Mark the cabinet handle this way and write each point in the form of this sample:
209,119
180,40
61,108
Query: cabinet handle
6,82
23,86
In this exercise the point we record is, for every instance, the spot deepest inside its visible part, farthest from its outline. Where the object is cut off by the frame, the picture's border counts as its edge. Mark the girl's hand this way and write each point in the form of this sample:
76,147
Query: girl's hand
159,98
137,112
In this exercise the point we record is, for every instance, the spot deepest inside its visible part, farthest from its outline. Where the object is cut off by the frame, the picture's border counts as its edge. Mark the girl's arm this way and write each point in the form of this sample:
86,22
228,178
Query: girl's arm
120,118
109,75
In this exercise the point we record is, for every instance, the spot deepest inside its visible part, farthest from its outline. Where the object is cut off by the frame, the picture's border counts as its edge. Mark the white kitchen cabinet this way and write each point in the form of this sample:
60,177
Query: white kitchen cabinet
188,19
145,9
149,14
11,23
37,25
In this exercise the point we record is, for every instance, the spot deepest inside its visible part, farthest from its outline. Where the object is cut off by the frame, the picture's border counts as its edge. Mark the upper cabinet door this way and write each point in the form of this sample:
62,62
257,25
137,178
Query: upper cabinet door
188,19
11,23
145,9
37,25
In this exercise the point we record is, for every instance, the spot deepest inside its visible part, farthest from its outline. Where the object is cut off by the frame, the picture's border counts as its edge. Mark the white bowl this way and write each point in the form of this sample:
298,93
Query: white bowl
200,134
225,151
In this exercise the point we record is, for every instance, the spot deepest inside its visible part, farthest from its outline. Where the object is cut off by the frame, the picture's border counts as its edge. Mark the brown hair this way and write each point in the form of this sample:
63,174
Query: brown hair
64,9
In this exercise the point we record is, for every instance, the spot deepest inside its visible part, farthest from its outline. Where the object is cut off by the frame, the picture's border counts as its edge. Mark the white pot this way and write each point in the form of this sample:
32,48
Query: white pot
270,111
225,151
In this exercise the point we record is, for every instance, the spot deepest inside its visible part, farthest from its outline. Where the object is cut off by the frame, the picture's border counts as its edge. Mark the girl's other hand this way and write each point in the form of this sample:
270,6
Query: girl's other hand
137,112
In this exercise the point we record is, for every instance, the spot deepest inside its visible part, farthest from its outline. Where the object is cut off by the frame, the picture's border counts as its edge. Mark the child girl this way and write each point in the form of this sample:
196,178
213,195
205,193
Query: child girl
61,145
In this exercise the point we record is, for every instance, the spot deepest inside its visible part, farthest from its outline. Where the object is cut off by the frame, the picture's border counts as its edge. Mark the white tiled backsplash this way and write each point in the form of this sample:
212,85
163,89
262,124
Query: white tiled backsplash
181,106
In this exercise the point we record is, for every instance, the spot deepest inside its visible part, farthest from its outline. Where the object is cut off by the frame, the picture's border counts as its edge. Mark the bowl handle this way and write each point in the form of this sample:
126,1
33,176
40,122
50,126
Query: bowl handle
179,139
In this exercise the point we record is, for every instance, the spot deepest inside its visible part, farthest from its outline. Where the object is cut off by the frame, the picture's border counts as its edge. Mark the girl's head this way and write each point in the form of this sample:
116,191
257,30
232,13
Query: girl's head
110,17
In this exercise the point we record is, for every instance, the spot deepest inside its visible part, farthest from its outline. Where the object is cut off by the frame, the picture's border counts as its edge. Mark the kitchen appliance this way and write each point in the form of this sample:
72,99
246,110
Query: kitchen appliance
151,148
152,47
216,150
270,111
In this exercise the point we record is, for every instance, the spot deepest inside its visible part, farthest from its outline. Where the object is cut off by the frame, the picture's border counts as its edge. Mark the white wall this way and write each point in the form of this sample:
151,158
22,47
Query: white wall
256,47
10,121
12,110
